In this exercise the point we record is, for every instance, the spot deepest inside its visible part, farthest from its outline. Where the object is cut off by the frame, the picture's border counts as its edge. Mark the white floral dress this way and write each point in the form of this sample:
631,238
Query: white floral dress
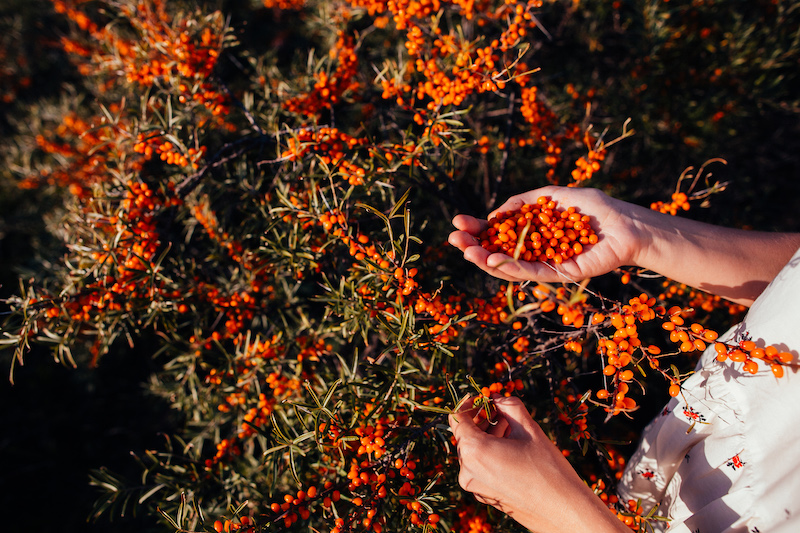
725,456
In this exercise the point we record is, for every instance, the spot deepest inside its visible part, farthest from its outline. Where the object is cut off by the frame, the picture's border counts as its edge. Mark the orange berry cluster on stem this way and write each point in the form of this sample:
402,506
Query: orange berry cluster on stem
688,338
587,166
620,349
473,519
87,148
295,507
245,525
329,89
539,232
748,353
679,202
167,152
506,389
572,412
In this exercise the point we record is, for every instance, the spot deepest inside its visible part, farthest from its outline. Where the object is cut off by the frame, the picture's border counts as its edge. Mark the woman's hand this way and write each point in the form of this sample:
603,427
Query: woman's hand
732,263
514,467
617,245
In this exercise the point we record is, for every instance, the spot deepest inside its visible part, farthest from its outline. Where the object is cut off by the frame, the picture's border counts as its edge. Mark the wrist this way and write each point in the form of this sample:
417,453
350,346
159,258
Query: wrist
641,228
650,232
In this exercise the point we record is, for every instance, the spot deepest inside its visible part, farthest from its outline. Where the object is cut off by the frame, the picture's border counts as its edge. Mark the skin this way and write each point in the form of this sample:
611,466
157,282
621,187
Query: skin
516,468
513,465
735,264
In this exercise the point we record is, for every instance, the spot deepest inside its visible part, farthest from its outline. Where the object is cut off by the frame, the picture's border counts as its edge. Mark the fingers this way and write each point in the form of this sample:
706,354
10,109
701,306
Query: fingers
474,253
507,268
462,421
481,257
534,270
463,240
500,428
470,224
516,415
512,419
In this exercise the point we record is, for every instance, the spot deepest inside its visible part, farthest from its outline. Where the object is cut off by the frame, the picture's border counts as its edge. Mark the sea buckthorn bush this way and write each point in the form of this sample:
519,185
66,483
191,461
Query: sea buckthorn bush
264,214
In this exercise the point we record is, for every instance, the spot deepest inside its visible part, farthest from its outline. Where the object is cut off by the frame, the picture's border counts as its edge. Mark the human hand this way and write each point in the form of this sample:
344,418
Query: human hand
513,466
617,245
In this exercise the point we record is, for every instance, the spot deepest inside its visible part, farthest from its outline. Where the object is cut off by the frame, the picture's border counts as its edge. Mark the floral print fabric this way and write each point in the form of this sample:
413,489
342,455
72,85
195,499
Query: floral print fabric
724,456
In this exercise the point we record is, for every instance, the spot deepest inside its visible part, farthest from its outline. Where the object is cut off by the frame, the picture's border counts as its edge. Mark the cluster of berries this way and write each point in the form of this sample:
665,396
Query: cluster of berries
539,232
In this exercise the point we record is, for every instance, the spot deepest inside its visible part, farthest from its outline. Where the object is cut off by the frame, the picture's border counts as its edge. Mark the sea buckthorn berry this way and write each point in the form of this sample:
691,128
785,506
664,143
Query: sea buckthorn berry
674,389
699,345
737,356
750,366
771,351
747,346
538,232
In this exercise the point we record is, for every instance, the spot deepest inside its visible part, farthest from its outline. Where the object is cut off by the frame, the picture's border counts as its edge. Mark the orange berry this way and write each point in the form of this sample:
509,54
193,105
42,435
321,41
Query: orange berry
747,346
737,356
699,345
750,366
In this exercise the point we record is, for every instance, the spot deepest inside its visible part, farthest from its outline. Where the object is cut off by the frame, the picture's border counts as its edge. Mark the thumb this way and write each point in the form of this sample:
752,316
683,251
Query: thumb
520,423
462,423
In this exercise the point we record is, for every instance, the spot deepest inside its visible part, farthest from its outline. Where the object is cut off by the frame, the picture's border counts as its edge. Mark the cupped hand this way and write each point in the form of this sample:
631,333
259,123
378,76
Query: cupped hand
513,466
617,245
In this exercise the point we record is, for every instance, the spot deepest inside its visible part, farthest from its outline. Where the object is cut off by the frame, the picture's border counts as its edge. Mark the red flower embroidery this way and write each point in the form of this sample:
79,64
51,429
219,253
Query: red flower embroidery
735,462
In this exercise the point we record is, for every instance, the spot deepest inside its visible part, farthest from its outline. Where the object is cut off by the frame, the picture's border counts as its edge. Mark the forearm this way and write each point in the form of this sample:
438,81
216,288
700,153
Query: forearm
735,264
582,511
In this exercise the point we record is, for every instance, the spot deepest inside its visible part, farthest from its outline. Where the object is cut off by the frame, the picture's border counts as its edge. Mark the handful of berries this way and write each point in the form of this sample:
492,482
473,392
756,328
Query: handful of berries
539,232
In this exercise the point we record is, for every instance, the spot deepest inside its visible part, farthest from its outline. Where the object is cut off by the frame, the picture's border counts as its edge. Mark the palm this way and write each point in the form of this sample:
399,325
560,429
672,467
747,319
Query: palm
614,249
